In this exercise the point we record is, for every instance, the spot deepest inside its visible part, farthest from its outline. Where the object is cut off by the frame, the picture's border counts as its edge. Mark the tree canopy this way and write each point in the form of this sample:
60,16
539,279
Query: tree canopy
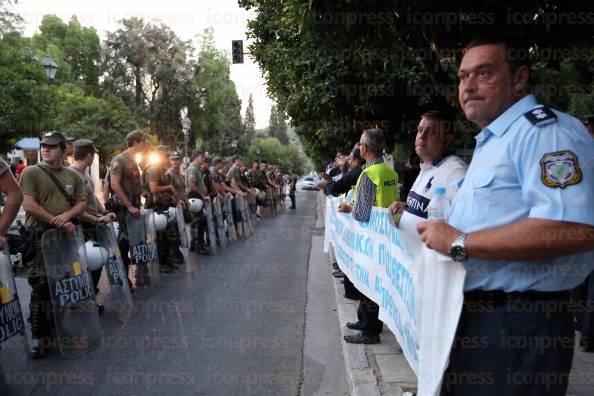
140,76
270,150
249,120
152,70
217,120
277,127
336,68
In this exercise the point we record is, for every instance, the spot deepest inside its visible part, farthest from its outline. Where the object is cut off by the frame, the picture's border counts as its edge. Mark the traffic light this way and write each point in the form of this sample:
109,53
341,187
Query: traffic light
237,51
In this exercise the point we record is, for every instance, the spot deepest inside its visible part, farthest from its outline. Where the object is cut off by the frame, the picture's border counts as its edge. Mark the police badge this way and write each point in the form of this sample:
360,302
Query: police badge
560,169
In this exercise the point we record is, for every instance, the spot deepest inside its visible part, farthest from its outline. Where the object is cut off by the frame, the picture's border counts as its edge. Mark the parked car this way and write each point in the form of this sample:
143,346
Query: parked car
309,183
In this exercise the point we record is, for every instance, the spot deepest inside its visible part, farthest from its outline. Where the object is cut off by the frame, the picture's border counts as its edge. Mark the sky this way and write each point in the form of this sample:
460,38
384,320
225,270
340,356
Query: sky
187,18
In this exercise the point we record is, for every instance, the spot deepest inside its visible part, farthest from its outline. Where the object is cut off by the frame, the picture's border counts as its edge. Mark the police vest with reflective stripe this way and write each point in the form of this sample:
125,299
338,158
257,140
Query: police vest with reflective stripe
386,183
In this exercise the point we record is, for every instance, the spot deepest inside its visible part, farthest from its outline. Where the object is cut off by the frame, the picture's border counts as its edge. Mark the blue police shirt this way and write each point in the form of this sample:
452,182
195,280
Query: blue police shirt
530,162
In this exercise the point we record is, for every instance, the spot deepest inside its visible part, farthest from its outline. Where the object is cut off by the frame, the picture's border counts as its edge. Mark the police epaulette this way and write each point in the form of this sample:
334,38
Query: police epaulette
541,116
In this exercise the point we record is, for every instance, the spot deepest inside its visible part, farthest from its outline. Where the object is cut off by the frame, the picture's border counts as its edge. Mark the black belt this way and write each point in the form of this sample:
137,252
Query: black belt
500,297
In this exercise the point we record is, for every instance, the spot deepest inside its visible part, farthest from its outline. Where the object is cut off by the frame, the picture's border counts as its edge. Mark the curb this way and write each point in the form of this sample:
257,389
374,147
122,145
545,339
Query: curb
371,370
360,372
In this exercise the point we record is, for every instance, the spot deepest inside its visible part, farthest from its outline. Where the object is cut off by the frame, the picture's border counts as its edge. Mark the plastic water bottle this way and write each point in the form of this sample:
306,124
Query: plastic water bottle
439,207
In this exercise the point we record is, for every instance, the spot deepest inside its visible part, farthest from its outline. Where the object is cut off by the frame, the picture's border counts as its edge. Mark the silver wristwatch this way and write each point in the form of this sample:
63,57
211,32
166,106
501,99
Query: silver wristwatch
457,250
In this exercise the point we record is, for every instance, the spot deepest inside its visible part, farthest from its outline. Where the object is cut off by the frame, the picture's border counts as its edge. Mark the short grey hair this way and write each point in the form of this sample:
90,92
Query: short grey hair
374,140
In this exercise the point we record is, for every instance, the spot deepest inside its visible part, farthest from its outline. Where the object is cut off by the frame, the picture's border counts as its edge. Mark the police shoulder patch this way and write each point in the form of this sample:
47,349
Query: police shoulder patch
541,116
560,169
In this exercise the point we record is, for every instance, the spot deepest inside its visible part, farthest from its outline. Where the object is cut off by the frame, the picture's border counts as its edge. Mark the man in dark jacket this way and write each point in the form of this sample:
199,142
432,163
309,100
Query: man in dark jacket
345,183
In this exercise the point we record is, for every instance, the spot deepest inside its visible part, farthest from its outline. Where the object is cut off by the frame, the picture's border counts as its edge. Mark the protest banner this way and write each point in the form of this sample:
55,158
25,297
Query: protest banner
419,291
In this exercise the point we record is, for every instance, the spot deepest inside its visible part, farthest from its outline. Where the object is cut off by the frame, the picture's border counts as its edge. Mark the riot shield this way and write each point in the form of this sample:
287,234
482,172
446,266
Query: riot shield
11,324
72,292
118,297
253,209
184,242
143,252
183,231
278,198
212,239
244,217
273,200
220,222
228,209
11,317
250,215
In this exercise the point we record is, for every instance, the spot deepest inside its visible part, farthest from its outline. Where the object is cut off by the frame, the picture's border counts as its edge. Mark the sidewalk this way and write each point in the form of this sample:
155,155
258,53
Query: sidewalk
374,370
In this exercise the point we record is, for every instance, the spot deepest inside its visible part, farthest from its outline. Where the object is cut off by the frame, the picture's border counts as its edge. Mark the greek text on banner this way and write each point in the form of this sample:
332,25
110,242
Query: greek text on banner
419,291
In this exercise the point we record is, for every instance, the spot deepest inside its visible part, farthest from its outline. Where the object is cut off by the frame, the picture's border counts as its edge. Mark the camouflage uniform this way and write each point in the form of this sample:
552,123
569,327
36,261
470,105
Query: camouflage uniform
168,239
125,166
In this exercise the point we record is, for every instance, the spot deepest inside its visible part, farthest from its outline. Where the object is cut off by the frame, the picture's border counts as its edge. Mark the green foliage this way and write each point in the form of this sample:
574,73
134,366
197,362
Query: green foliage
271,151
74,48
24,93
580,105
152,71
249,121
217,122
9,21
105,121
278,126
336,68
32,104
141,77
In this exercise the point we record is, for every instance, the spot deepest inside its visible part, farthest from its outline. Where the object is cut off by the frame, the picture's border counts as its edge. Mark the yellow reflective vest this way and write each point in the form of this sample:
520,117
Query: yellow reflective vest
386,183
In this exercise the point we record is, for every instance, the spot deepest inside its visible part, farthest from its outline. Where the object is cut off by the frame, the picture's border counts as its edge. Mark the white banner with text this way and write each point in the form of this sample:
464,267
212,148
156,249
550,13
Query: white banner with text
419,291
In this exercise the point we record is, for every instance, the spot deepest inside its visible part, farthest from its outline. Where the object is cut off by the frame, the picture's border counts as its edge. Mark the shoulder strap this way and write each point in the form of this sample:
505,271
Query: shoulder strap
541,116
58,184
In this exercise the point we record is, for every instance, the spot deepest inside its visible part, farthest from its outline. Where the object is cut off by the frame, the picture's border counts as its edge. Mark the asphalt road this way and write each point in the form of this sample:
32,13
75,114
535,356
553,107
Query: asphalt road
235,325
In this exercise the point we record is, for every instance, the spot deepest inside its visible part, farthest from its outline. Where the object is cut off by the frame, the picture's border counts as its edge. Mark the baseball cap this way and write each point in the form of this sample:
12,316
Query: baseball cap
84,146
163,149
53,138
589,118
70,139
135,135
175,155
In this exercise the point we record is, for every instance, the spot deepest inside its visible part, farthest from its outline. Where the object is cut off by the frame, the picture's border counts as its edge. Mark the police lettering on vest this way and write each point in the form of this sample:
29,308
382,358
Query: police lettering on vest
381,175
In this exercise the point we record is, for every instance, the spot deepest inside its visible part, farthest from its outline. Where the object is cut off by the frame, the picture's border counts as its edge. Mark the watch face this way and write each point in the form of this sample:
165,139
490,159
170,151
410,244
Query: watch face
458,253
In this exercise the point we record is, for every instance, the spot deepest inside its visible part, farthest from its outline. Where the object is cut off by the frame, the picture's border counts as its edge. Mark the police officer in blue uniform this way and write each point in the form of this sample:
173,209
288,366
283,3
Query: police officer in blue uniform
522,222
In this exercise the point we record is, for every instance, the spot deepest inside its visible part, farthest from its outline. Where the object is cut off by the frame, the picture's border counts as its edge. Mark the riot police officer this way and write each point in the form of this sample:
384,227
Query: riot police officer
178,182
124,182
177,179
196,186
160,195
83,153
14,197
292,188
53,198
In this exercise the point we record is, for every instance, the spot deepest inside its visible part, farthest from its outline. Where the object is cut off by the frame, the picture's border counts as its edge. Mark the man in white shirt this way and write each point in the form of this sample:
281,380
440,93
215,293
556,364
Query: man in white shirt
439,168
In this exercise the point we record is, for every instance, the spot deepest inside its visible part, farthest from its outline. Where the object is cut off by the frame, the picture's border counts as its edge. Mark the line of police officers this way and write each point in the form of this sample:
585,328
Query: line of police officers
56,194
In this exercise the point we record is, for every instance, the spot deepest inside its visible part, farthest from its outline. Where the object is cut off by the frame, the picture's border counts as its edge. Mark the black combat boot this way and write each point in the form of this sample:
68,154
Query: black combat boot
38,317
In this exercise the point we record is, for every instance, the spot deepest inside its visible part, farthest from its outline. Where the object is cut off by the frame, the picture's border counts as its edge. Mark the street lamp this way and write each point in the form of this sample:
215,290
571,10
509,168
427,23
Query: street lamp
51,68
186,124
